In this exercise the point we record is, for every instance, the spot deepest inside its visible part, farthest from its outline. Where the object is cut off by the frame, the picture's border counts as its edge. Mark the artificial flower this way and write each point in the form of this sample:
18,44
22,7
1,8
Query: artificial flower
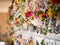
15,22
19,20
54,1
50,13
42,17
28,14
39,12
18,1
30,43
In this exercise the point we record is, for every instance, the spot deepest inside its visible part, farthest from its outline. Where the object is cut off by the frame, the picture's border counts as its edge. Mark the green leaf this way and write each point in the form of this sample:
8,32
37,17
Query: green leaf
23,0
42,42
37,42
11,33
45,32
39,12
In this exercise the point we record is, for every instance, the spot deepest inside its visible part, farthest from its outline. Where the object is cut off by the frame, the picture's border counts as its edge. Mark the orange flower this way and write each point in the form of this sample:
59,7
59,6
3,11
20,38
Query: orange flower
30,43
41,15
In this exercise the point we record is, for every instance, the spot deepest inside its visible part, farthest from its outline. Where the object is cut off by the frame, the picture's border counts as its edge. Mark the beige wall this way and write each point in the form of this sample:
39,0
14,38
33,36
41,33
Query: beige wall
3,26
3,22
4,6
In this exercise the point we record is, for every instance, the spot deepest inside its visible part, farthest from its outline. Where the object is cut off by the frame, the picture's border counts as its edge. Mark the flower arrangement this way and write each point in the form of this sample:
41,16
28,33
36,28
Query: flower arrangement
39,15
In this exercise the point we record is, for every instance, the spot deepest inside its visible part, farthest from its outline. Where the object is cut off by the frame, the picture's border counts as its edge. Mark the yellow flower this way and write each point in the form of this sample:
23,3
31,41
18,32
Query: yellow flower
40,17
23,13
50,13
19,20
14,38
18,1
30,43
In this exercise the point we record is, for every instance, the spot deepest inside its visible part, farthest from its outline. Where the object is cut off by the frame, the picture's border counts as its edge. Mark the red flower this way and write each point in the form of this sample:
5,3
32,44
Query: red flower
54,1
28,14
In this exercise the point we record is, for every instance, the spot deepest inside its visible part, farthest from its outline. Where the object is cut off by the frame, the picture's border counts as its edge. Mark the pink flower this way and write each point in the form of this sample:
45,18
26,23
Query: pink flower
15,22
